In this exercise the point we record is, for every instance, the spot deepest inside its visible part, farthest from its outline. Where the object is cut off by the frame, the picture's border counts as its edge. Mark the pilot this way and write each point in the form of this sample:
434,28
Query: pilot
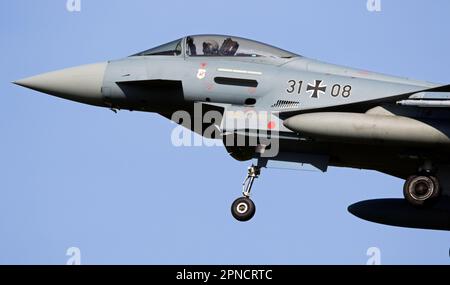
229,47
210,47
191,46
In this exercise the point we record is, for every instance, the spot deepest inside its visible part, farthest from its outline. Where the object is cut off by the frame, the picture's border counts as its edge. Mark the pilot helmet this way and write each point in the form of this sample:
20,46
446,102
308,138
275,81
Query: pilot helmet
210,47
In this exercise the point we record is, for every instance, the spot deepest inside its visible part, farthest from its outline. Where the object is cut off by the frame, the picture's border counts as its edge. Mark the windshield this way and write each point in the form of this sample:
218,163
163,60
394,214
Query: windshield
214,45
172,48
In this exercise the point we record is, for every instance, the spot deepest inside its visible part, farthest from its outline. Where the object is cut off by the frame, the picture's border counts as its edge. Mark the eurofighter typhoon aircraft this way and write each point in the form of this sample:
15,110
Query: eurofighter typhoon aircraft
278,109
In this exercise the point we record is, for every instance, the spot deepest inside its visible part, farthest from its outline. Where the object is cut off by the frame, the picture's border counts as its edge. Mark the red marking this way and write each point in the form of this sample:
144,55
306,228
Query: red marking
203,65
251,90
364,72
271,125
210,86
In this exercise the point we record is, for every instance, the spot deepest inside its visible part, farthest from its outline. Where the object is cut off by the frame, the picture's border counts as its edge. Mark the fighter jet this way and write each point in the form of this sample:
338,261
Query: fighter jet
278,109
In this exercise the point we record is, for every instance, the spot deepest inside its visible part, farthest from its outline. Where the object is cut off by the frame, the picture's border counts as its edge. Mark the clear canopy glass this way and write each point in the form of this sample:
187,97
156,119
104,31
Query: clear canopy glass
172,48
216,45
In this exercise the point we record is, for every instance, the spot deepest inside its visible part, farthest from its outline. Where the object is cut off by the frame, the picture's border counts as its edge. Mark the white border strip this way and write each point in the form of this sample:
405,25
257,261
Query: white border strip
239,71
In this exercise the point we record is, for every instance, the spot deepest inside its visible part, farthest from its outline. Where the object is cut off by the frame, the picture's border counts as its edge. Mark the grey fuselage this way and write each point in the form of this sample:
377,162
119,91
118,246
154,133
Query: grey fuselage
354,117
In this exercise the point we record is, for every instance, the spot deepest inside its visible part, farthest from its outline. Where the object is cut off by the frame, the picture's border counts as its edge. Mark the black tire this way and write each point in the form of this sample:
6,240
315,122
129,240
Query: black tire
421,191
243,209
437,193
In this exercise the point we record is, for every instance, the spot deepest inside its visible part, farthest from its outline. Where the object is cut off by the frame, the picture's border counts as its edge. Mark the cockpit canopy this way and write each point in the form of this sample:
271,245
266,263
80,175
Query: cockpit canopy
216,45
172,48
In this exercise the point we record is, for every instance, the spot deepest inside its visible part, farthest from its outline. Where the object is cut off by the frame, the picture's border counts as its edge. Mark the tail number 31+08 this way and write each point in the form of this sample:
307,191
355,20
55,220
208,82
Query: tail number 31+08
345,91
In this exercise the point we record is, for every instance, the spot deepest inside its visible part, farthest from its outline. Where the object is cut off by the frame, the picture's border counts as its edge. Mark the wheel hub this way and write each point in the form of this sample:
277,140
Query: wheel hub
422,189
242,208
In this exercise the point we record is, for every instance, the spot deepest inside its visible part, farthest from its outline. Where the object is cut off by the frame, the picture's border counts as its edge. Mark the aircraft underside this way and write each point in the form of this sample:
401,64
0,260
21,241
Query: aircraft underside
403,160
423,168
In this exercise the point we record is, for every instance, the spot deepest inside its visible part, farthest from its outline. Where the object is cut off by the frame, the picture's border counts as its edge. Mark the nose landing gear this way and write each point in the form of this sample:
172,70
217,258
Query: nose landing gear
243,208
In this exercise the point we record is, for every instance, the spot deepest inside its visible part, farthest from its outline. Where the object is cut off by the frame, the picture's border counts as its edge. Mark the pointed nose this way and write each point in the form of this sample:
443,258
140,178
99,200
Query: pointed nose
82,83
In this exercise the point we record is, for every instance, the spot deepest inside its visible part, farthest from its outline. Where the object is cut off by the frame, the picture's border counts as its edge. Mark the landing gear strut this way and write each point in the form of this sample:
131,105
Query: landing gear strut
422,190
243,208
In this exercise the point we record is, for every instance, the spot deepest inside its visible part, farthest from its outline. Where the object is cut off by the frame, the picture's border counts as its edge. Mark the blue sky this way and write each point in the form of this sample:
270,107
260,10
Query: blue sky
79,176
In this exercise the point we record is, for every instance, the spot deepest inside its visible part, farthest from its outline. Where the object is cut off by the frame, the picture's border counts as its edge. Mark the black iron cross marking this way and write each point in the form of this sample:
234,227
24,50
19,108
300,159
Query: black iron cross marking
316,89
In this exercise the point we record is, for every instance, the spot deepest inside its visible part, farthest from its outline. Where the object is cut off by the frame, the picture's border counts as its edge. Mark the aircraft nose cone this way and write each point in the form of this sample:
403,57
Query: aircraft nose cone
82,83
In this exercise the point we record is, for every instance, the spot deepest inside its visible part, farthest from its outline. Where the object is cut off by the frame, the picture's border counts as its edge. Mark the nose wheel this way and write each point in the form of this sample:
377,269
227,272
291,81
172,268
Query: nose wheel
243,208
